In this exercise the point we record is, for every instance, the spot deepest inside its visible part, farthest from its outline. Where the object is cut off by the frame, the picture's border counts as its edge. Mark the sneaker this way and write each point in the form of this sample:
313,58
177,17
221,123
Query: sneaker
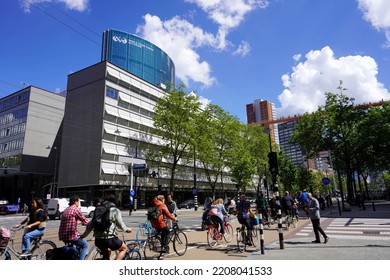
225,234
165,249
316,241
25,254
326,240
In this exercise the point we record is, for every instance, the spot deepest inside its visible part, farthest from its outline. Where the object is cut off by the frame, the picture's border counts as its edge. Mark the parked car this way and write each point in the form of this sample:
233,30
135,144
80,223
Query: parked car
56,206
7,208
88,211
187,204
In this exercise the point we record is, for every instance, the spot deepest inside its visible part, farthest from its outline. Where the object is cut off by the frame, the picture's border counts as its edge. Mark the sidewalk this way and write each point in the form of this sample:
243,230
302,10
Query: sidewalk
339,247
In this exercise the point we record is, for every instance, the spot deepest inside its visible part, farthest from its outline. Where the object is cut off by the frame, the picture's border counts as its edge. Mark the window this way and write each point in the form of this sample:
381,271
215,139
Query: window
111,92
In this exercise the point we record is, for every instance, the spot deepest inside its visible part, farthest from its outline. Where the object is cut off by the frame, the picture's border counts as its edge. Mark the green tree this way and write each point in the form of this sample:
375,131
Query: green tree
241,160
259,147
334,128
174,121
217,130
288,173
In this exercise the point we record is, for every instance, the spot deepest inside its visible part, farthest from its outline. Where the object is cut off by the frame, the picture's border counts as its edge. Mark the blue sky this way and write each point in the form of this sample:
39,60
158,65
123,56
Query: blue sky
230,52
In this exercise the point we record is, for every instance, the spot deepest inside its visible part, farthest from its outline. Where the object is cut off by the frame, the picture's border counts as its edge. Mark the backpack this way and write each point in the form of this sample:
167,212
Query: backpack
101,219
62,253
153,213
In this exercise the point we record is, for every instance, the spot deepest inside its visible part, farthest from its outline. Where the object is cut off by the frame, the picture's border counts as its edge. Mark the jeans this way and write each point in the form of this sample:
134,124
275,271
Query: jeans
26,239
82,246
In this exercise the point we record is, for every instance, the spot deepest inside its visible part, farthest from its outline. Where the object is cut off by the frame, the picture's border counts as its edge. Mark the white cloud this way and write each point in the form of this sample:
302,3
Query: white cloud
228,14
181,40
321,72
78,5
243,49
377,12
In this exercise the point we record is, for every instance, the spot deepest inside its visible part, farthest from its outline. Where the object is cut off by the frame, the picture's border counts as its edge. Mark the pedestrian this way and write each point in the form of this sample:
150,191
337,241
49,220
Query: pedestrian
172,208
25,209
68,232
313,210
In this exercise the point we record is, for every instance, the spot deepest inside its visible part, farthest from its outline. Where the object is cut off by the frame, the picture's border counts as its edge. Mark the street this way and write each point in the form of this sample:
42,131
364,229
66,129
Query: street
355,235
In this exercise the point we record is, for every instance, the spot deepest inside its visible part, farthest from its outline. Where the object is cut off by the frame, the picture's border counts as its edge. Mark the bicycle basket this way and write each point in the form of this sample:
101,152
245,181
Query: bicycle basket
4,241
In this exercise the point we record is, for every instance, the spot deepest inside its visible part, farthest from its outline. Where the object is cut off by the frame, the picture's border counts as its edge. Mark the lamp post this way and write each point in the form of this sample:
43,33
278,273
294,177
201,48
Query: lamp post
55,169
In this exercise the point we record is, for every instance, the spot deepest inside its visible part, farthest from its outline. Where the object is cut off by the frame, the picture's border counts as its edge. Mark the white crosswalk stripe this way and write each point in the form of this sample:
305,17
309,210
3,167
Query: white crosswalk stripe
353,228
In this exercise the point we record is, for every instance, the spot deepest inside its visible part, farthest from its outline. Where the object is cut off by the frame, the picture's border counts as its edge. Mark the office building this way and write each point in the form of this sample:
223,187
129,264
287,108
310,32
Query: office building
30,128
139,57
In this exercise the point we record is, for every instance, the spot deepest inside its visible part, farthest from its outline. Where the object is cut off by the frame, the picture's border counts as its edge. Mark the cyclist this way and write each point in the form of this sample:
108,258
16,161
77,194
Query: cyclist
262,206
107,241
68,232
287,204
244,212
159,223
217,212
35,225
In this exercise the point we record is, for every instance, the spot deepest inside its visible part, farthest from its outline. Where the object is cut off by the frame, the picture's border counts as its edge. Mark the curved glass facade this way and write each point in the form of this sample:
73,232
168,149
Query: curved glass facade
139,57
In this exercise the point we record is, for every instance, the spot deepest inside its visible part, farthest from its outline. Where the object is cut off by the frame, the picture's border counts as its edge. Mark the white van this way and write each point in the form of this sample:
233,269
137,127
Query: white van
56,206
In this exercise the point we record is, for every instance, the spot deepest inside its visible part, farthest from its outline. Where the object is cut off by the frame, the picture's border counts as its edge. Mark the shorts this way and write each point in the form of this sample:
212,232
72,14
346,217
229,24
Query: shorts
111,243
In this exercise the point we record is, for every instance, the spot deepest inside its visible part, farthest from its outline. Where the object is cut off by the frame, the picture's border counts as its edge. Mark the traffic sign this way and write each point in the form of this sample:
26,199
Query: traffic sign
194,191
326,181
139,166
132,192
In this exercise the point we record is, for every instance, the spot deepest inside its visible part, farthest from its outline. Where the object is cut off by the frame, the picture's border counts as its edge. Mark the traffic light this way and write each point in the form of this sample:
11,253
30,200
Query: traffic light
273,163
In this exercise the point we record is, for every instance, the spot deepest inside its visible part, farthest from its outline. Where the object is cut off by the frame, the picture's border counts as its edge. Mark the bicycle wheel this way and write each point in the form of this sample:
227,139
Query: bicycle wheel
255,236
98,254
228,233
152,248
180,243
39,251
133,252
211,236
294,221
241,237
4,255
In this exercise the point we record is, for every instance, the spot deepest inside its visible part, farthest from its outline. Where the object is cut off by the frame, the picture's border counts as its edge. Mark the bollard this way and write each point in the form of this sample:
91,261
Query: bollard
373,206
261,234
280,229
338,205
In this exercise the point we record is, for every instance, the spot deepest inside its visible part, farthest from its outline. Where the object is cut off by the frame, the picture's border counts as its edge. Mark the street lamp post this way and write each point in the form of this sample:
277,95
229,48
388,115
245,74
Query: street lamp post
55,169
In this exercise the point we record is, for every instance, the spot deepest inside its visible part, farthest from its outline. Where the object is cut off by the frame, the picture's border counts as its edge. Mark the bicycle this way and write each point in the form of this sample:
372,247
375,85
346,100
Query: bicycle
132,252
38,251
290,219
213,234
242,238
152,245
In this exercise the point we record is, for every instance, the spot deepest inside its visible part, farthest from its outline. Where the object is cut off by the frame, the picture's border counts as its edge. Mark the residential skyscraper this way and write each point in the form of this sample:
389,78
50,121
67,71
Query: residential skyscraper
262,111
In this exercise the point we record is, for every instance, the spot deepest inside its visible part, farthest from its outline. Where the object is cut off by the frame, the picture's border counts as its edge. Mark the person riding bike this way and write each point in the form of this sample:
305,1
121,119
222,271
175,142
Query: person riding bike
159,223
262,206
244,212
68,232
35,225
217,212
107,240
287,204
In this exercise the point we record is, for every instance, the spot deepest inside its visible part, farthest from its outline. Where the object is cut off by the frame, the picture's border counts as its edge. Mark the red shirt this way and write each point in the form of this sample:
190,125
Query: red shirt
68,227
159,223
